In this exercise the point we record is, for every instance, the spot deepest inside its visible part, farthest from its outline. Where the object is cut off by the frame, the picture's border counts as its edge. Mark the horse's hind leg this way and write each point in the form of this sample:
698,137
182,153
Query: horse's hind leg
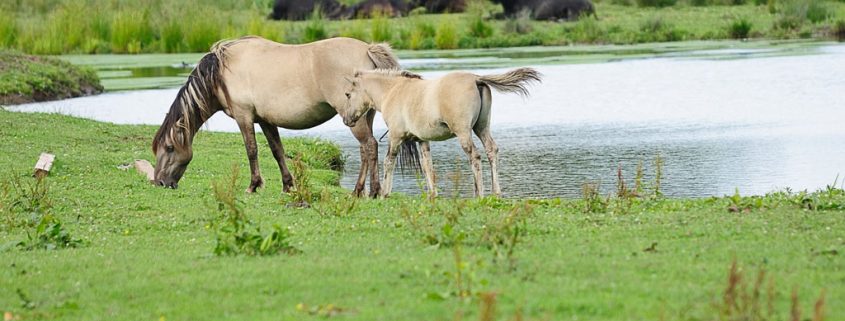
363,132
248,131
272,134
492,155
474,160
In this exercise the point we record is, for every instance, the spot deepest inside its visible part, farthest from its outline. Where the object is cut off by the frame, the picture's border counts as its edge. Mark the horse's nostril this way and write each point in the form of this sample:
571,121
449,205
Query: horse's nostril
174,185
160,183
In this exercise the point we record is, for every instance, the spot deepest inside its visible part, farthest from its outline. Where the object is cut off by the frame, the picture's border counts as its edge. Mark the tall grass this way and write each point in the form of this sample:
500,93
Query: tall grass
446,35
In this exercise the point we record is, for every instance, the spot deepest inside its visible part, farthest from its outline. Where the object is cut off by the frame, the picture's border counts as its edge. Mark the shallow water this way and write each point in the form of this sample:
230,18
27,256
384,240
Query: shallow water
748,117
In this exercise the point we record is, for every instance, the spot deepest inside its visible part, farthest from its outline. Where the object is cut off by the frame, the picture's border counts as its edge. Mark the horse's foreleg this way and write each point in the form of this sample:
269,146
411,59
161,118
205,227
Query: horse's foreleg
369,156
272,134
474,160
428,168
390,164
248,131
492,155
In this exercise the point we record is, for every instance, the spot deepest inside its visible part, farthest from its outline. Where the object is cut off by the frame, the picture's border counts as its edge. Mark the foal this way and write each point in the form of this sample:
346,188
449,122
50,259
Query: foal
433,110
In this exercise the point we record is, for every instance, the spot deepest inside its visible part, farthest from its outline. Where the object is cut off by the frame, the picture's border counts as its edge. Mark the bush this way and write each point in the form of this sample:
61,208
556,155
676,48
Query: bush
446,36
818,11
315,30
130,30
839,30
380,29
740,28
479,28
656,3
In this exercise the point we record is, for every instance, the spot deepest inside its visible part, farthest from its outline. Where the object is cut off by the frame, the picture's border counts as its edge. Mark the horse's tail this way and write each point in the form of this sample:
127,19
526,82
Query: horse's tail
514,81
383,58
197,100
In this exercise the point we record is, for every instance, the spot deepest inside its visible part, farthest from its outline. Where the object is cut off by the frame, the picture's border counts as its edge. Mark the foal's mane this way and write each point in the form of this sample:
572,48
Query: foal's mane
389,73
196,100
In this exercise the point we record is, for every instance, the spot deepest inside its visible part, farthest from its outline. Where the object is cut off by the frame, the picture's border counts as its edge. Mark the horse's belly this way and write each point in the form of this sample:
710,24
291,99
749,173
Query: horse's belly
435,132
289,117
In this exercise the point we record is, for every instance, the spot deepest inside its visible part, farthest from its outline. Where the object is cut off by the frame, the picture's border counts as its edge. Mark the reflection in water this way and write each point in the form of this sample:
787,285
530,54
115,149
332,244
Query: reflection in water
754,124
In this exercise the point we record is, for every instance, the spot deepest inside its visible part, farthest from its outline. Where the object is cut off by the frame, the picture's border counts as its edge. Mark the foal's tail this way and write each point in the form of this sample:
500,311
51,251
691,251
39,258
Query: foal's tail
514,81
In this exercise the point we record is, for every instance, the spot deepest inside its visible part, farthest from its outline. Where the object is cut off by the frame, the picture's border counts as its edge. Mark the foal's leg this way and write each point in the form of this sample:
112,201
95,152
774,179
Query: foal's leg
390,162
492,155
272,134
248,131
465,139
428,168
363,132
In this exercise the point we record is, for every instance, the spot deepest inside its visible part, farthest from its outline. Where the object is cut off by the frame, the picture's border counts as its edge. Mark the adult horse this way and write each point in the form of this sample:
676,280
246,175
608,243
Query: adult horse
255,80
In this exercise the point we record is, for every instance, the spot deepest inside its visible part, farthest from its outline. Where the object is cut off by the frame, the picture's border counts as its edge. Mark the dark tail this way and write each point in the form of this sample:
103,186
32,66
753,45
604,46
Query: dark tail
383,58
514,81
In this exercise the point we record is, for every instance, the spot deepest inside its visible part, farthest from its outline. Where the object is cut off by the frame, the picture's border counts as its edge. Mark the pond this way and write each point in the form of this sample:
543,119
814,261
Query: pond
721,116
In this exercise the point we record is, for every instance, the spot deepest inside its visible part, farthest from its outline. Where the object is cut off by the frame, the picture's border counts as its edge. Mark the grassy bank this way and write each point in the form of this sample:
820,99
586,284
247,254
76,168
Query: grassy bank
53,27
25,78
140,252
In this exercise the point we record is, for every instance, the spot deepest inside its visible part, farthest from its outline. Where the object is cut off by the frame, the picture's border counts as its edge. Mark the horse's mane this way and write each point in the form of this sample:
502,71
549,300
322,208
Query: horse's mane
389,73
196,100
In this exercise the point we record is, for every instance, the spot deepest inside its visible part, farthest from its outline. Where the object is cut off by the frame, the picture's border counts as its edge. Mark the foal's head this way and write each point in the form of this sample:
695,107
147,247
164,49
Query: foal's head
358,101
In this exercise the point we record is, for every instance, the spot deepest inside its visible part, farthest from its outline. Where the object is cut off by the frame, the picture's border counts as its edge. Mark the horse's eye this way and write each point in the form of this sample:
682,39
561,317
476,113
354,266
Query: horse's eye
348,95
169,148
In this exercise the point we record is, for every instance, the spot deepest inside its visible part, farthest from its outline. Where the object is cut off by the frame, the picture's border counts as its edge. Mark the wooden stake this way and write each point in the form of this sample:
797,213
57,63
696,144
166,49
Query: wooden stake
44,164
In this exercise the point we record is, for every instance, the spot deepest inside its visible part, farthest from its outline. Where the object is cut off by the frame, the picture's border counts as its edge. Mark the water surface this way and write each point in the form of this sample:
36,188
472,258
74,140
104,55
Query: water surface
722,116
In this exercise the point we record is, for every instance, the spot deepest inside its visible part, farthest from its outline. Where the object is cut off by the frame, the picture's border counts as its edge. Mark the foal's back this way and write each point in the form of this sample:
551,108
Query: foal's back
433,109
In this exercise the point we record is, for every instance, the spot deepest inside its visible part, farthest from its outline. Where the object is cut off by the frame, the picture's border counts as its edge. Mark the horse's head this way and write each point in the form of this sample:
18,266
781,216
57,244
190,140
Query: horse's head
172,148
358,101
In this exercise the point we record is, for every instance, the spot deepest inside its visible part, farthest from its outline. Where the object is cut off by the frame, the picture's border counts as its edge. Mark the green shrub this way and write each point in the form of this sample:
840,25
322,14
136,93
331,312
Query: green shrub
586,31
380,29
315,29
49,234
479,28
818,11
8,29
839,30
656,3
202,30
446,36
740,28
130,31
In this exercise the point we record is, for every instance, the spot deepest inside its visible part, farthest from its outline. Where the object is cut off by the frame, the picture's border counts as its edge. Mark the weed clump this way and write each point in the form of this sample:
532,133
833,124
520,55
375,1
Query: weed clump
747,301
316,29
236,234
32,201
656,3
446,35
740,28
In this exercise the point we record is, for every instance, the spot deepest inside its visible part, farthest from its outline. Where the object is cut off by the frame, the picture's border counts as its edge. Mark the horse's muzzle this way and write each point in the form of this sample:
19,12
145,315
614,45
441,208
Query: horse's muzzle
172,185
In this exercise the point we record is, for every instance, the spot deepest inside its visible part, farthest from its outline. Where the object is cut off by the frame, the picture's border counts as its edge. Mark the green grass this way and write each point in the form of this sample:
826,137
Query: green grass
149,26
148,253
25,78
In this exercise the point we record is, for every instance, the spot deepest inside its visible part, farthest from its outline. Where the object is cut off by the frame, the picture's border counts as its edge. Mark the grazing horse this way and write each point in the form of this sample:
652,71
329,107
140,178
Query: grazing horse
255,80
433,110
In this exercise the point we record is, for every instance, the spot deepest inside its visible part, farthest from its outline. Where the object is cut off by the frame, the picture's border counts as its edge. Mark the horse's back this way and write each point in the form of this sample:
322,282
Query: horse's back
291,86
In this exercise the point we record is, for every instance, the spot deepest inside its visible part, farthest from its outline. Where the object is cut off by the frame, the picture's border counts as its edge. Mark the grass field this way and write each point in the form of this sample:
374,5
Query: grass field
140,252
150,26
